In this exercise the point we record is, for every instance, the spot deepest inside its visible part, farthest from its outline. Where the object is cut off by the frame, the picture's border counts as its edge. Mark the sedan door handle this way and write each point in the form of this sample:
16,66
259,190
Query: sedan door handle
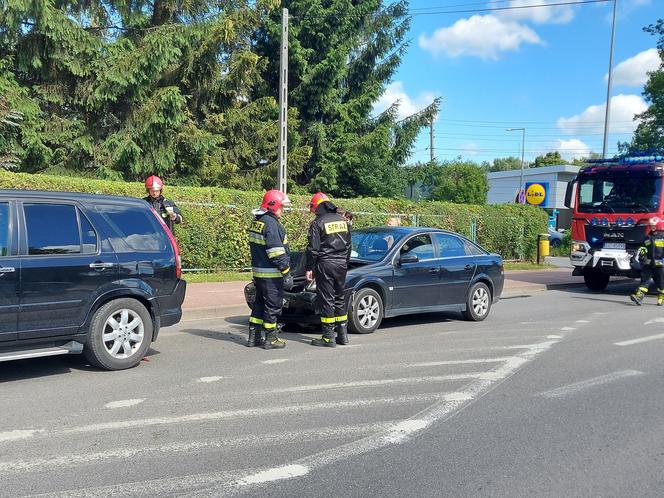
468,267
433,270
101,266
7,269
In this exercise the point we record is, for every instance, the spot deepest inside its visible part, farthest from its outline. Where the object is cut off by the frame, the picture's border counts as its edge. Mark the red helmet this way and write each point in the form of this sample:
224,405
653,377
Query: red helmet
316,200
273,200
153,183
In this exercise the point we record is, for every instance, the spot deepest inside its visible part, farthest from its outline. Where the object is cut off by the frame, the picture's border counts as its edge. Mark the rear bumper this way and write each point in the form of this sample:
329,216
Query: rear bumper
170,307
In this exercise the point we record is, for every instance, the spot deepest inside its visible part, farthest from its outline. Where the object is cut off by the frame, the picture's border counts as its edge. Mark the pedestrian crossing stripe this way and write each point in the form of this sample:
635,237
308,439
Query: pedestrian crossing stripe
336,227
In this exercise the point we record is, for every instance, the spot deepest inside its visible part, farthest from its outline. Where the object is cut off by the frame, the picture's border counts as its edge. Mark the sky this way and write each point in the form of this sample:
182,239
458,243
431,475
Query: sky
542,68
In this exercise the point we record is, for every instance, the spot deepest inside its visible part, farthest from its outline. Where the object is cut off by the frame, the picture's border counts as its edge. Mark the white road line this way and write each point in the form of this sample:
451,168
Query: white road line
582,321
123,403
251,412
381,382
654,320
274,362
457,362
275,474
640,340
585,384
18,434
253,440
214,378
554,337
567,329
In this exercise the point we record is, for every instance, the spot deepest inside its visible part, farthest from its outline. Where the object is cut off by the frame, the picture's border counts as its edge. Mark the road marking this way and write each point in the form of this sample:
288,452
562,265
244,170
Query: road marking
214,378
654,320
585,384
640,340
123,403
582,321
251,412
457,362
18,434
567,329
274,362
275,474
554,337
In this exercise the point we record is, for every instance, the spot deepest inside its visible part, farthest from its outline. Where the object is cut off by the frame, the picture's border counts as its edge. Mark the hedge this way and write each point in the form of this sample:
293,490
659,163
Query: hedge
213,235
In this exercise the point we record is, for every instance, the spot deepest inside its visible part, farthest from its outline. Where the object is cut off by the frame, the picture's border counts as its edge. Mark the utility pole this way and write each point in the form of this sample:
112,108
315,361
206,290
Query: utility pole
523,151
283,103
431,150
608,86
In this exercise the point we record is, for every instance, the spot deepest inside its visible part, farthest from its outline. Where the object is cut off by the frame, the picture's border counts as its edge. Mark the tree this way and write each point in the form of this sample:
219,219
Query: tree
462,182
506,164
342,54
649,134
549,159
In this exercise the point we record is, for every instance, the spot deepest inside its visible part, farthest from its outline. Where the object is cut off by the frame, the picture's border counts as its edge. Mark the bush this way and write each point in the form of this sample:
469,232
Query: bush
213,235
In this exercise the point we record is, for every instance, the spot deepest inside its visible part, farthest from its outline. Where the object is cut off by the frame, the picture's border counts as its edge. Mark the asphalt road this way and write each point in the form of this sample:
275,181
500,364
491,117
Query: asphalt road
556,394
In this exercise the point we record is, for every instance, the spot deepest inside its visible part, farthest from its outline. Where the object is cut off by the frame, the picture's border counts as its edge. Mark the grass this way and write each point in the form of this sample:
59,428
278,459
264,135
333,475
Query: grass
527,265
221,276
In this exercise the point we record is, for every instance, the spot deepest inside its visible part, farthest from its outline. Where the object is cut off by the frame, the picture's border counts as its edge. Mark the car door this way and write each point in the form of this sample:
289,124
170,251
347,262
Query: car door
457,268
9,274
62,267
416,284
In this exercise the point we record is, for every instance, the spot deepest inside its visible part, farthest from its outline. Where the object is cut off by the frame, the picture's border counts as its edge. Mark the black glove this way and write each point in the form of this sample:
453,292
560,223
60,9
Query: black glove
288,281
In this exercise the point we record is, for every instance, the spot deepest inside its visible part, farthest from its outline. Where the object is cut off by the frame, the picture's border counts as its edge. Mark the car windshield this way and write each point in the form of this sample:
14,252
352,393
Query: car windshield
619,194
373,246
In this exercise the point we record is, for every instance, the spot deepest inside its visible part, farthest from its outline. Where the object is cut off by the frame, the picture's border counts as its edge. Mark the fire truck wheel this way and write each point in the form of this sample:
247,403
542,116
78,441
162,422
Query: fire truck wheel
595,280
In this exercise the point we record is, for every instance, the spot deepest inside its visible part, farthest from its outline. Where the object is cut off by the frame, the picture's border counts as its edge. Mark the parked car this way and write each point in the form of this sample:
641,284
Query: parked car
555,237
401,270
85,273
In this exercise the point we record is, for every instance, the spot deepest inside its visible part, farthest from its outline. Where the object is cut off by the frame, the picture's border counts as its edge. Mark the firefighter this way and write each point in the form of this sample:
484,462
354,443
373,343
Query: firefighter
168,211
270,261
651,257
327,258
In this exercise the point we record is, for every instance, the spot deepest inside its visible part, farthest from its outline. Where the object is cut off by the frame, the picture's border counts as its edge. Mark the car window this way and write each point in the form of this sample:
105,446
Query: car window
472,249
135,227
88,235
4,229
450,245
420,245
372,246
40,221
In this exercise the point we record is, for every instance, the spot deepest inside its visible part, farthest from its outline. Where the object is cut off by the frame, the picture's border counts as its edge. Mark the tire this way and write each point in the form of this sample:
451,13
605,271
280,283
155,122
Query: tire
596,281
367,311
478,302
110,321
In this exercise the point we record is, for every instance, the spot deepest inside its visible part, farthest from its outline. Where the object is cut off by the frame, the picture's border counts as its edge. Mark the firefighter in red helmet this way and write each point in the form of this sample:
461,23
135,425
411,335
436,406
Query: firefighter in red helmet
270,261
168,211
328,253
651,257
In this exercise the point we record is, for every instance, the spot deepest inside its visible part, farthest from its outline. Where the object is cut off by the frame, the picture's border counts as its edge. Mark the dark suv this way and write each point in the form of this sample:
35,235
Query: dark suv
84,273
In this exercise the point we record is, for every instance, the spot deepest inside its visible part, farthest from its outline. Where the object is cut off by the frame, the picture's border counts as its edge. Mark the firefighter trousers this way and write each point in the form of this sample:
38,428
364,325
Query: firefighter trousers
269,301
654,272
331,297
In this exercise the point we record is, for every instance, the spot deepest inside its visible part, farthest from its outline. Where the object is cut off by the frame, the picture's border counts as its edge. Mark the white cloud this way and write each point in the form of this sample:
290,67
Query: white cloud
560,14
633,71
591,120
407,105
572,149
480,36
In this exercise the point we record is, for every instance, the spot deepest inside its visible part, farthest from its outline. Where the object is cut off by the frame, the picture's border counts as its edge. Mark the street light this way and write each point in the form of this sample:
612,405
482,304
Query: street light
523,149
608,84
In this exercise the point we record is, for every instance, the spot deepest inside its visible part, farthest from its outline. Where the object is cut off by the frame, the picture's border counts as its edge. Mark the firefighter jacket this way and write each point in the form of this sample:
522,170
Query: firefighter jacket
329,237
652,251
160,204
268,243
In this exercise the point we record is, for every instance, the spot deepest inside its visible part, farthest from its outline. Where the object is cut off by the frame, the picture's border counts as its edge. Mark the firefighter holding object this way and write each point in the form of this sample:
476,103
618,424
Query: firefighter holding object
327,259
168,211
651,257
270,261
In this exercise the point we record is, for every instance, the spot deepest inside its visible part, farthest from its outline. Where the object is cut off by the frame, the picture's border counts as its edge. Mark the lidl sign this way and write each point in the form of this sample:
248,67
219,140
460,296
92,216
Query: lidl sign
537,193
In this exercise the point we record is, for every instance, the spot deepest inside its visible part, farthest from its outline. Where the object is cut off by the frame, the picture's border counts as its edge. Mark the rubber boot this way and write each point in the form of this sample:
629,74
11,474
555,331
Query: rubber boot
342,333
660,297
256,336
327,339
272,340
638,296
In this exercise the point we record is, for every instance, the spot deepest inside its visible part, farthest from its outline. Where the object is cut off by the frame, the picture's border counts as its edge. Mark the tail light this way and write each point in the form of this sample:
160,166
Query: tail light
174,245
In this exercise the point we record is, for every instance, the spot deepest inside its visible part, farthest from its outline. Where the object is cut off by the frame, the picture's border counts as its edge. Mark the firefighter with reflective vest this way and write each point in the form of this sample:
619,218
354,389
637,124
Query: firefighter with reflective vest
651,257
270,261
328,253
168,211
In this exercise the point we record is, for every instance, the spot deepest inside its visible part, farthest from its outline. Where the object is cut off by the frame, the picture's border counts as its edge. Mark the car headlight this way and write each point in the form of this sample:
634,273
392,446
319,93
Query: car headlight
579,247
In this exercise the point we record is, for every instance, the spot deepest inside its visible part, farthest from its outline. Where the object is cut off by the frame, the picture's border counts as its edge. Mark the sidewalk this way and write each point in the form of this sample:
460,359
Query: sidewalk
210,298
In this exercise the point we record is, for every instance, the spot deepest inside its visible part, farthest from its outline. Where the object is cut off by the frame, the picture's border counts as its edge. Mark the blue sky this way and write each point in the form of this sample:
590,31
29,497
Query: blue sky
540,68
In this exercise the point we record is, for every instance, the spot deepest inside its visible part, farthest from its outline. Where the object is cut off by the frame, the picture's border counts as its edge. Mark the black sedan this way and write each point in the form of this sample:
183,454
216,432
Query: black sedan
401,270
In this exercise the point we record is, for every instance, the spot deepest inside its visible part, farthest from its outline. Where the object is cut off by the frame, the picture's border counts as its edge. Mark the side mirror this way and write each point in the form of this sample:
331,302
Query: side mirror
408,258
568,194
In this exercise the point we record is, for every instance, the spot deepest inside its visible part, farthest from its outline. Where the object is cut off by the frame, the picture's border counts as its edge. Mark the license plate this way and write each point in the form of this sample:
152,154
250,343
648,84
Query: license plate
614,245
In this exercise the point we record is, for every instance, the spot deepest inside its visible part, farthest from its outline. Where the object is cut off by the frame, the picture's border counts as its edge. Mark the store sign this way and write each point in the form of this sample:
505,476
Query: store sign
537,193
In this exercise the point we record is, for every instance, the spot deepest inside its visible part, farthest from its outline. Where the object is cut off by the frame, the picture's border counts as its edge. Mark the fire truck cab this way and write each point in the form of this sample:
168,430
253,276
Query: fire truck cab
612,203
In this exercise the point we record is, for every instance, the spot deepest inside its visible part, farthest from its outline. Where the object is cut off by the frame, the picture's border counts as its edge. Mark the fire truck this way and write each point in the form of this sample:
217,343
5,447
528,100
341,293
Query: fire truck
612,202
